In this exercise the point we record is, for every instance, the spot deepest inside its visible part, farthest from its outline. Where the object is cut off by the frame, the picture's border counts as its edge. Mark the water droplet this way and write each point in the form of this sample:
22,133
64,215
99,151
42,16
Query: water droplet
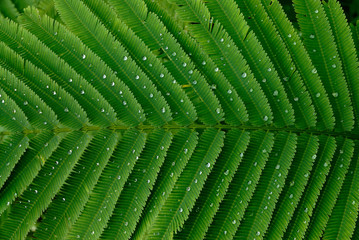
184,64
229,91
83,56
144,58
314,70
334,66
69,152
335,94
82,92
244,75
289,35
137,77
204,63
216,69
218,111
311,36
162,75
275,93
226,172
188,189
265,118
316,11
125,58
208,165
277,167
314,156
269,69
124,103
317,95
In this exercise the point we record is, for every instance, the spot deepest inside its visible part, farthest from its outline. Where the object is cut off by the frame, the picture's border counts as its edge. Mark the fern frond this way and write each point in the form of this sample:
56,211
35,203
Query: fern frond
156,37
188,186
321,46
242,187
260,209
227,57
168,119
88,28
11,151
331,189
12,117
75,116
233,22
303,64
39,115
295,185
182,108
77,188
223,171
133,198
302,214
179,153
39,150
88,64
273,44
25,44
104,196
342,221
44,187
346,51
9,10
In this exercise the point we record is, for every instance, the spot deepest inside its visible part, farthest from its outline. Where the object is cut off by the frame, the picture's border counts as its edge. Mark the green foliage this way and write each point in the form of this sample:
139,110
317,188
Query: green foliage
169,119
